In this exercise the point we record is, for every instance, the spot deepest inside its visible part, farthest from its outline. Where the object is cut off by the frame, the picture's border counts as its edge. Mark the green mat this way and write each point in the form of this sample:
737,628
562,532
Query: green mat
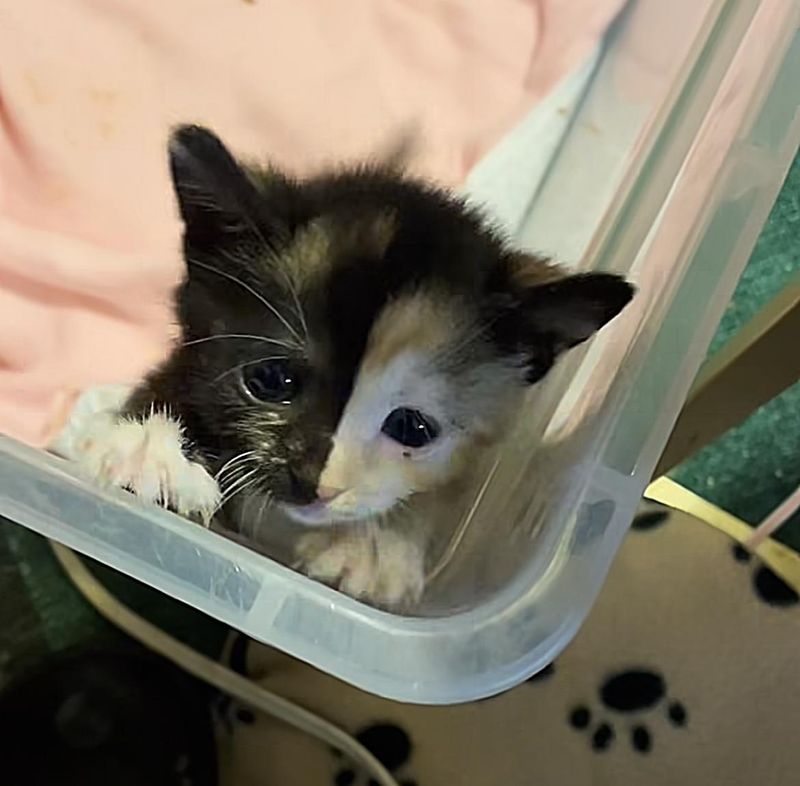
753,467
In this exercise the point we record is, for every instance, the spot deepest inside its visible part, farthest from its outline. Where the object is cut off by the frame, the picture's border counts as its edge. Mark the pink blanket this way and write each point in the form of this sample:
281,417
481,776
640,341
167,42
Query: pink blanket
88,89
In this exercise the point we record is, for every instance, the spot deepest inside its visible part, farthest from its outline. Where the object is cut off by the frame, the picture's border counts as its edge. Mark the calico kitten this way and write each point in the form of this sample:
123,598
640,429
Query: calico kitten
350,344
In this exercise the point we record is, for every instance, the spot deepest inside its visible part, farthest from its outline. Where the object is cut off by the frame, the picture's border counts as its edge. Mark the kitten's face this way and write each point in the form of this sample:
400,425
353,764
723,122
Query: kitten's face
352,340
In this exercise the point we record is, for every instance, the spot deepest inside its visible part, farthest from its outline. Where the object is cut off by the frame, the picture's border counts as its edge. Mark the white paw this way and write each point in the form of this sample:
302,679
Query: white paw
146,457
378,566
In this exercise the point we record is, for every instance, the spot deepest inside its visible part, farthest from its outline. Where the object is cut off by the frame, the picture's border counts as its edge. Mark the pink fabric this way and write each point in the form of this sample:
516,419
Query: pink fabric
88,89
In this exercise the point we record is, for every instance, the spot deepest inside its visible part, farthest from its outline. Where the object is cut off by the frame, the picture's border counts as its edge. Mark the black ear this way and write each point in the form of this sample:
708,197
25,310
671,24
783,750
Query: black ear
574,308
217,199
549,318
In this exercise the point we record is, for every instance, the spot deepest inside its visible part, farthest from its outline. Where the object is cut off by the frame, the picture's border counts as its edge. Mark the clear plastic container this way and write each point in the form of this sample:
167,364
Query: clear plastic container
666,173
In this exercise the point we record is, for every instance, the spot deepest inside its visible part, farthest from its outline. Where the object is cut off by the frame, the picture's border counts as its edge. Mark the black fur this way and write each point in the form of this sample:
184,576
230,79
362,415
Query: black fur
240,222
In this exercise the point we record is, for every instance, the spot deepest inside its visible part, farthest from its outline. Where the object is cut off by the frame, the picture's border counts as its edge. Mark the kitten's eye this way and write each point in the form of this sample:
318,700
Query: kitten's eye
272,381
410,427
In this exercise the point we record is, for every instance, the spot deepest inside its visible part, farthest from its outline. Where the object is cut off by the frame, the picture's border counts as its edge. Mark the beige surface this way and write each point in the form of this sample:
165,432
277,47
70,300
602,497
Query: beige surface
677,604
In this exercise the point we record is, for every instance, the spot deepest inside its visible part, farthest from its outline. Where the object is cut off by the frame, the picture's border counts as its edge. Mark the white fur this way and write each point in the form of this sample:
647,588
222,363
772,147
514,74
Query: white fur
381,565
145,456
366,465
94,402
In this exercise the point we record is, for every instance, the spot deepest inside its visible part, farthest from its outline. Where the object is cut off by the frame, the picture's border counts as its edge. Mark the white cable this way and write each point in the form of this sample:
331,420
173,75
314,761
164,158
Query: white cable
774,521
212,672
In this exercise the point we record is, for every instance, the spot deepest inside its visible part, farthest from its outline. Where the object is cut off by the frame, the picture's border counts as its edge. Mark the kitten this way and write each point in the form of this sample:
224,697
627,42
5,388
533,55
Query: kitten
351,344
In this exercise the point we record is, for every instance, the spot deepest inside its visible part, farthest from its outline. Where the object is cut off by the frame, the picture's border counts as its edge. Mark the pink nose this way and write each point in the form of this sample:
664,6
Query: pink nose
327,493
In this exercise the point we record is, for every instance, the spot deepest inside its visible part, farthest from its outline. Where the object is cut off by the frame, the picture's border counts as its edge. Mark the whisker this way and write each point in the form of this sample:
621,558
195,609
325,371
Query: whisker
449,352
238,457
228,482
238,484
234,472
244,518
271,249
232,476
249,336
426,431
239,490
237,469
265,503
249,289
373,530
247,363
298,310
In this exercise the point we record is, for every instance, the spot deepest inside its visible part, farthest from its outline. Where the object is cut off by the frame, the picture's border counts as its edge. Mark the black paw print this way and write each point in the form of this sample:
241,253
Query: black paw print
541,676
768,586
649,519
630,693
548,671
390,745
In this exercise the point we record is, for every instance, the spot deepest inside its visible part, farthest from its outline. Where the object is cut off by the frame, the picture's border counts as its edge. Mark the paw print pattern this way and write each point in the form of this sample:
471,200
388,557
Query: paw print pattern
634,695
390,744
767,585
543,674
649,519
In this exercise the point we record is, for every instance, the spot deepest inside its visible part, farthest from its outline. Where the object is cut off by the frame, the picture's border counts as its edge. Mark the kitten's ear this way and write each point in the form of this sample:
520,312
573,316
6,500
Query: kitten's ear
215,196
574,308
553,312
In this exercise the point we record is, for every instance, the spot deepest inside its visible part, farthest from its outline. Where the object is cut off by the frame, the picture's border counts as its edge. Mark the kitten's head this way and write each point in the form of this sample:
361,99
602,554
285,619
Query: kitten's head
351,339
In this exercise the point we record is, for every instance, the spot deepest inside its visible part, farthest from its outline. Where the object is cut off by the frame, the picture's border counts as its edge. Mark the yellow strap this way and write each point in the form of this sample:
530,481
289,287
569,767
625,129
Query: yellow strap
785,562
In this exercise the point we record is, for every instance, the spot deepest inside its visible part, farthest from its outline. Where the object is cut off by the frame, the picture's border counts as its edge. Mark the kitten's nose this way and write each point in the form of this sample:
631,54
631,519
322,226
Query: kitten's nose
327,493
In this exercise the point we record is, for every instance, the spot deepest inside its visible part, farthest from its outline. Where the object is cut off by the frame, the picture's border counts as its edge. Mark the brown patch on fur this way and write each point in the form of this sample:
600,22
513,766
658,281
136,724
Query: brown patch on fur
370,236
528,271
324,240
417,323
464,459
421,478
310,253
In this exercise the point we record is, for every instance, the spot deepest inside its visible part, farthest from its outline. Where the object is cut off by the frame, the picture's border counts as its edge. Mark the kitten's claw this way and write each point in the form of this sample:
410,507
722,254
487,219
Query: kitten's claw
380,567
146,457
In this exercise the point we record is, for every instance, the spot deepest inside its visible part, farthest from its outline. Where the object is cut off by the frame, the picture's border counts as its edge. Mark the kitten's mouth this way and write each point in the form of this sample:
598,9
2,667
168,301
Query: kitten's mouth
321,512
